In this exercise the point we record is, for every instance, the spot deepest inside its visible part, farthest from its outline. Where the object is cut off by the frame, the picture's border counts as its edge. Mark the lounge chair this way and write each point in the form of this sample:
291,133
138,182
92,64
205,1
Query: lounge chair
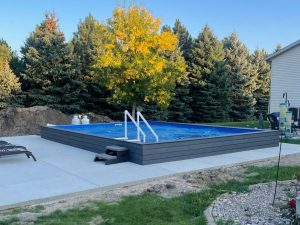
273,121
10,149
4,143
295,126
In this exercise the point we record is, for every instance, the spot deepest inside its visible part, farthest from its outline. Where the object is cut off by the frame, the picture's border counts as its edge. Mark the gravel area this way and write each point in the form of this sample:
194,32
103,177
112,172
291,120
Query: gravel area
255,207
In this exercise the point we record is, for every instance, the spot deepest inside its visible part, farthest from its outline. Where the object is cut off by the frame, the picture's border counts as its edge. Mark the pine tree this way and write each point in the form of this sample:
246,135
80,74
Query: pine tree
210,84
185,40
17,66
51,69
153,111
278,48
261,94
242,78
179,109
86,43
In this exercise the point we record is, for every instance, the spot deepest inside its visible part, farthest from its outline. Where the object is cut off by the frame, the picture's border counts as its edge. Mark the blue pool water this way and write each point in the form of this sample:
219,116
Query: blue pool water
165,131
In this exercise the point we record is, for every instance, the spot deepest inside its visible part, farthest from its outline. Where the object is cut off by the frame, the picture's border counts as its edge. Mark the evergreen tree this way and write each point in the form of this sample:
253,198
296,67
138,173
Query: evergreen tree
278,48
86,43
153,111
179,109
17,66
185,40
242,78
219,86
261,94
210,84
51,69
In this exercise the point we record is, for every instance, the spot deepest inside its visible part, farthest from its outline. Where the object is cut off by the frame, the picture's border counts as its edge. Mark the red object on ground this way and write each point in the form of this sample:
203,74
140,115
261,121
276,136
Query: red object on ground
292,202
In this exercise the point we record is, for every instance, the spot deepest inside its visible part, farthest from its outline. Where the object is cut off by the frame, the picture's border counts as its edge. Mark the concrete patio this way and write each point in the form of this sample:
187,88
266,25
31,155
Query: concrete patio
62,169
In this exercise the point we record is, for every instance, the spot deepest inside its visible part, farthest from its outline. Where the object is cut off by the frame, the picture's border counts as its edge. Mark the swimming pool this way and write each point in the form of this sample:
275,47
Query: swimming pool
176,140
165,131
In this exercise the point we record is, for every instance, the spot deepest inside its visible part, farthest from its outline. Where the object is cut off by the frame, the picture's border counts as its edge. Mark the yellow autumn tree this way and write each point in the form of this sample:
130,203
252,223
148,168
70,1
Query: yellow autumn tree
9,83
133,60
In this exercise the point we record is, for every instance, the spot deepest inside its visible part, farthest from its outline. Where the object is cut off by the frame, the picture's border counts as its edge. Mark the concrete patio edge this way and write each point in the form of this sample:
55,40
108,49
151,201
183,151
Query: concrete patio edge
111,187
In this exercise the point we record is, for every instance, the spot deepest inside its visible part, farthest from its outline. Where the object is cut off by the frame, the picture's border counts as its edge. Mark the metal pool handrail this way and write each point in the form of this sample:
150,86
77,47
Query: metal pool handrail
139,130
139,115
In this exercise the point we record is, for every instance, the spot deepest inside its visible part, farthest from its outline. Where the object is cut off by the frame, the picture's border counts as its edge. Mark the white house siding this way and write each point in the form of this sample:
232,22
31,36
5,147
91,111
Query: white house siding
285,77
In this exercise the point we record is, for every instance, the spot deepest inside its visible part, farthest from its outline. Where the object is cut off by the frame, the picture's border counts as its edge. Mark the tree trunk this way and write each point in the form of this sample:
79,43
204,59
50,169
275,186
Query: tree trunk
133,112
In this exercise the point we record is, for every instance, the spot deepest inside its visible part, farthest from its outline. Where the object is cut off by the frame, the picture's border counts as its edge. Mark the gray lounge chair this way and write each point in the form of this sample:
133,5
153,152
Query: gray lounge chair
10,149
4,143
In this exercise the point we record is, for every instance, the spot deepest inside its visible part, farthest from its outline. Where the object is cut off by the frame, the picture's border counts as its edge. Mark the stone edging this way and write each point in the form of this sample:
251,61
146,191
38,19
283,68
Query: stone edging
208,215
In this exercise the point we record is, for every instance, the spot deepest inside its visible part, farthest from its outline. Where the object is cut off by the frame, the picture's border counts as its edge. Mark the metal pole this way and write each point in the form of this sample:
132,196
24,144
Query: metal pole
277,172
138,127
282,132
125,125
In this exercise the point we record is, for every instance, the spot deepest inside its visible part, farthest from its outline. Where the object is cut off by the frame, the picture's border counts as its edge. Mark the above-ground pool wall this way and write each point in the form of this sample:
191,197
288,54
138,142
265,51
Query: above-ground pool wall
179,150
91,143
151,153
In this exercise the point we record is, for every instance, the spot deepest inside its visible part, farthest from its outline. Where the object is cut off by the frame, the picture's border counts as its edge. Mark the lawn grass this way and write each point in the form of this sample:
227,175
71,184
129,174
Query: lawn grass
245,124
150,209
11,221
291,141
254,124
227,222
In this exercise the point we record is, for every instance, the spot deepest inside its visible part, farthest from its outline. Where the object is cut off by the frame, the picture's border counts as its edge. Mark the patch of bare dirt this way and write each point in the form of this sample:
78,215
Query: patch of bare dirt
26,121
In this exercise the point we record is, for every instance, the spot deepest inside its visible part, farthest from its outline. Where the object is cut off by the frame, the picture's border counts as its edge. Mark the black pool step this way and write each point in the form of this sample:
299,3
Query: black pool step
105,156
114,154
116,148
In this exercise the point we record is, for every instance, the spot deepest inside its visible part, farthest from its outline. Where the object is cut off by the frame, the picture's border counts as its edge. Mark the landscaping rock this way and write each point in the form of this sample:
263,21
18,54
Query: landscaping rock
25,121
255,206
170,185
161,188
157,188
